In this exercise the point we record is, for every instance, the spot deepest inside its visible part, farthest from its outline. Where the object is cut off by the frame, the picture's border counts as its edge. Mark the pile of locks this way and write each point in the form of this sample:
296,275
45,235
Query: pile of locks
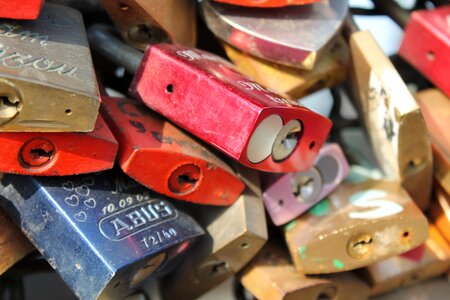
227,162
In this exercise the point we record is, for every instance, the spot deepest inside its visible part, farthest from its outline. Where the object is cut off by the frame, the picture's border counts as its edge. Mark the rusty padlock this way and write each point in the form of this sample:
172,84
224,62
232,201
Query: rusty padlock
23,10
267,3
290,195
190,171
143,22
357,225
427,261
224,250
103,233
297,36
392,118
47,80
296,83
58,153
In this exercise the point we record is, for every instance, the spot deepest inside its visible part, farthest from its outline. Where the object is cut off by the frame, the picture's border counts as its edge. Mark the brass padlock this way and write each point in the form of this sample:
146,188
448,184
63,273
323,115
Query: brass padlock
356,226
424,262
392,118
440,211
47,80
233,237
296,83
143,22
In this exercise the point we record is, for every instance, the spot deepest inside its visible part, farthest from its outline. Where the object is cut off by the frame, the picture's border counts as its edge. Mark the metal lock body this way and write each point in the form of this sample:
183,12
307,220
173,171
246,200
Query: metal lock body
296,36
233,237
330,71
435,107
144,22
58,153
393,120
251,124
294,193
23,9
358,225
13,244
427,261
47,80
190,171
267,3
103,233
430,54
440,211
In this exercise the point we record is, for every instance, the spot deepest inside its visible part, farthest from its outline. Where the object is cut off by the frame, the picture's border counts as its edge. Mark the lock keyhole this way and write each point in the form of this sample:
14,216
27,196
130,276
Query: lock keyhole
184,179
39,152
287,140
304,187
360,246
8,107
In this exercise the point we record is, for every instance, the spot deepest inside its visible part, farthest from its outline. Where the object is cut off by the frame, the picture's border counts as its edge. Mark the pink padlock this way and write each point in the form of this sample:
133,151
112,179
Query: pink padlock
294,193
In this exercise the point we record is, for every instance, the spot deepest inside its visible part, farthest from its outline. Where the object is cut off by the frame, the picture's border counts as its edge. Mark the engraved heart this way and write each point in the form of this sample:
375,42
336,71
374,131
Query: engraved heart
89,181
73,200
68,186
82,190
80,217
90,203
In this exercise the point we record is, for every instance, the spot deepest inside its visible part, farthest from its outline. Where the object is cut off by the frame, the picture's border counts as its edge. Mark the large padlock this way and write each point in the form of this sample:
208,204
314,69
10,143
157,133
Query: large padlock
297,36
393,120
427,261
356,226
103,233
23,9
296,83
162,157
143,22
58,153
290,195
47,80
267,3
440,211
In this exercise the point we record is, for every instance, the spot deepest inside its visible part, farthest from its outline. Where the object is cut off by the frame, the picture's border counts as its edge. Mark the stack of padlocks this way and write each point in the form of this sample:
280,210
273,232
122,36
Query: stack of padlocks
201,149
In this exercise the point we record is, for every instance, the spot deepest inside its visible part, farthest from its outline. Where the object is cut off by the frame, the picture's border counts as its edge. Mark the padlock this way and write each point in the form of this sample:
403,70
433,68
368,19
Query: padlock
435,107
13,244
358,224
58,153
234,235
329,71
190,171
392,118
143,22
23,10
103,233
267,3
47,80
292,194
272,276
440,211
427,261
296,36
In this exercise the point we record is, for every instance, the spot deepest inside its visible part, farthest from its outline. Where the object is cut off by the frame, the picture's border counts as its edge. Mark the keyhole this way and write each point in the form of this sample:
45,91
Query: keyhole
360,246
8,107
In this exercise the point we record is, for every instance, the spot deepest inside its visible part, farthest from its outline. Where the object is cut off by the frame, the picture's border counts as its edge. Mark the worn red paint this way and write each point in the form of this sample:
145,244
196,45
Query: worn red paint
267,3
20,9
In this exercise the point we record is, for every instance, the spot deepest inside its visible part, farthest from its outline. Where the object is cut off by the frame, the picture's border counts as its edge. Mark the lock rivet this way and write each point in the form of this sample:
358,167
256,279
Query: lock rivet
37,152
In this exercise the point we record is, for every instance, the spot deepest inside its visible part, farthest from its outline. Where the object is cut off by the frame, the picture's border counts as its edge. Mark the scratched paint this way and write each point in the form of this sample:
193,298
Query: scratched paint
321,209
338,264
289,226
302,252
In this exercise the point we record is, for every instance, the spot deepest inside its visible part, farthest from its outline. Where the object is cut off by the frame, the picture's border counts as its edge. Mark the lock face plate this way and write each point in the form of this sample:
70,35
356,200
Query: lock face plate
47,80
116,232
392,118
58,153
22,10
357,225
251,126
297,36
190,170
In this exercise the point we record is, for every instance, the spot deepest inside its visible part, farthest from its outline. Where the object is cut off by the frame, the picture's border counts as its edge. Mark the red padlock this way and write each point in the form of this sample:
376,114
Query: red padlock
426,45
164,158
58,154
205,95
267,3
20,9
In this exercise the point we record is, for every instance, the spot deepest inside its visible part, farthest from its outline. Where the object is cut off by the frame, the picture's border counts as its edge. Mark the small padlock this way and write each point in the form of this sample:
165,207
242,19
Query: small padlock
294,193
267,3
103,233
427,261
47,80
296,83
234,235
23,9
58,153
143,22
297,36
393,120
440,211
190,171
13,244
358,224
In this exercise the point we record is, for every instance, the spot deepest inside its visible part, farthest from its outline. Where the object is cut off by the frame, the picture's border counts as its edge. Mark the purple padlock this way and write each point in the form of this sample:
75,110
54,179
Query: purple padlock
292,194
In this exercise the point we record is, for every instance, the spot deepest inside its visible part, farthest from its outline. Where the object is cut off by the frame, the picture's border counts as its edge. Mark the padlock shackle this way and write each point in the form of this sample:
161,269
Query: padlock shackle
103,40
393,10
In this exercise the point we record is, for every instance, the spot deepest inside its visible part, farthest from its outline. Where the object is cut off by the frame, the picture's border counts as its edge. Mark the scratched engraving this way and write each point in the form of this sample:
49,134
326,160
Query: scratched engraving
15,31
192,55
